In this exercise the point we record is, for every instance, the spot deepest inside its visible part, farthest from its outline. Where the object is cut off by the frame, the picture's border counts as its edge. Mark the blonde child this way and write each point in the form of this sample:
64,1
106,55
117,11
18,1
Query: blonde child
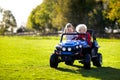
82,28
69,29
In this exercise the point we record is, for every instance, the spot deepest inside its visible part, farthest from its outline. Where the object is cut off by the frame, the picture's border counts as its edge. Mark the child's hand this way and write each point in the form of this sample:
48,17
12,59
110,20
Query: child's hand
75,38
83,38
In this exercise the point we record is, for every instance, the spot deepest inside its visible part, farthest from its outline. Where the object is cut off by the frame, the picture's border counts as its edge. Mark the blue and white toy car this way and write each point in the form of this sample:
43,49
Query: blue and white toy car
70,50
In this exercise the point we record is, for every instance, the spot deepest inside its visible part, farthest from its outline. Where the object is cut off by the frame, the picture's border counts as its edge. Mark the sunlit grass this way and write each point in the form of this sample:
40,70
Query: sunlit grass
27,58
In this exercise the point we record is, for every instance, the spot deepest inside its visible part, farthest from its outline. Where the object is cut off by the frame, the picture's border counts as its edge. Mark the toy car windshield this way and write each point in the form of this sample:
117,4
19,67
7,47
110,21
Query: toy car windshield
71,34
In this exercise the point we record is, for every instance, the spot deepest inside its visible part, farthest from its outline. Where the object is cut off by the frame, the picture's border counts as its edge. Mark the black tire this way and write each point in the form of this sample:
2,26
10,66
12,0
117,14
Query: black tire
69,62
98,60
54,61
87,64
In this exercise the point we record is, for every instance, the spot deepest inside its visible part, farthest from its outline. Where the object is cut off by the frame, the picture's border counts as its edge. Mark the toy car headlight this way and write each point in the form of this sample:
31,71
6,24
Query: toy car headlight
80,46
64,49
69,49
77,47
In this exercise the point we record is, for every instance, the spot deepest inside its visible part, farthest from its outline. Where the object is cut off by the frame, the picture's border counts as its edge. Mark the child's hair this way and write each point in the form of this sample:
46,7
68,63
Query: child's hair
81,26
68,25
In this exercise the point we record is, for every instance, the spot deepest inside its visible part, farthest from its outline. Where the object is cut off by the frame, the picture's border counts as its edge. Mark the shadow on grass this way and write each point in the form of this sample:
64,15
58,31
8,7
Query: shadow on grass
102,73
69,70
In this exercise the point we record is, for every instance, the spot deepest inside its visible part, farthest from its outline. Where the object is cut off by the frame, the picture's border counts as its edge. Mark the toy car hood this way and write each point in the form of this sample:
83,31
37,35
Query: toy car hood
72,43
69,43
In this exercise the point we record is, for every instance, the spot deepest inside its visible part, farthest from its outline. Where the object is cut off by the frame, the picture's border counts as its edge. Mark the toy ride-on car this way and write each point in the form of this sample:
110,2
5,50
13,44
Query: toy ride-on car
70,50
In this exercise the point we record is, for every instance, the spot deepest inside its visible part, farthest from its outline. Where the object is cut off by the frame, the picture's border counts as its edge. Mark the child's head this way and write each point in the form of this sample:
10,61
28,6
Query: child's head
68,28
81,28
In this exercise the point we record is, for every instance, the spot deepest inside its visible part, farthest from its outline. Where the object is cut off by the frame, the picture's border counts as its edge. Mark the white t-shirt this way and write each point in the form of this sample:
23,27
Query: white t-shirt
70,37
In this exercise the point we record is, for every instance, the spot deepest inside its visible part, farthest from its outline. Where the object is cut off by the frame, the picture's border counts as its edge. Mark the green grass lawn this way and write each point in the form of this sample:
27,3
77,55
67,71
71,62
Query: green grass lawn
27,58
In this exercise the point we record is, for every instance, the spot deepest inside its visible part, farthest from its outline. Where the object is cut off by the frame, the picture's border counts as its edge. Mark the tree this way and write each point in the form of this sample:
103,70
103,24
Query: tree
59,14
2,28
8,20
54,14
2,24
39,18
112,11
96,18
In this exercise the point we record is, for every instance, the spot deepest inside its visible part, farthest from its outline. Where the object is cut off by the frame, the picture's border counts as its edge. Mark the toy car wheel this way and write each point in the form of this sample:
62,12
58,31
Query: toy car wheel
87,60
98,60
69,62
53,61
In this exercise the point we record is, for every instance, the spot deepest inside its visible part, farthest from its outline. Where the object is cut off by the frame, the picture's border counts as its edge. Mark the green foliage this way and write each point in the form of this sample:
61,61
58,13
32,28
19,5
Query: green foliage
54,14
8,20
61,9
79,10
27,58
2,29
40,17
30,21
113,10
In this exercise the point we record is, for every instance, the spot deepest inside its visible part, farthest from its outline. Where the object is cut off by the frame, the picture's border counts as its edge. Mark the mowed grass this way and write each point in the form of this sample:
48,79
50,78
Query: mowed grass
27,58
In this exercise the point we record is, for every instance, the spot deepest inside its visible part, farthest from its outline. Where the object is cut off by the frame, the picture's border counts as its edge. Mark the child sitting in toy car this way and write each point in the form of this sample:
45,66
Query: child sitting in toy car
69,29
82,28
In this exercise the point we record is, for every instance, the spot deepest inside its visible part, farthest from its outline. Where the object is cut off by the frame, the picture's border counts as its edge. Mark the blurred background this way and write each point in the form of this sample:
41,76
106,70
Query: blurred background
49,17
